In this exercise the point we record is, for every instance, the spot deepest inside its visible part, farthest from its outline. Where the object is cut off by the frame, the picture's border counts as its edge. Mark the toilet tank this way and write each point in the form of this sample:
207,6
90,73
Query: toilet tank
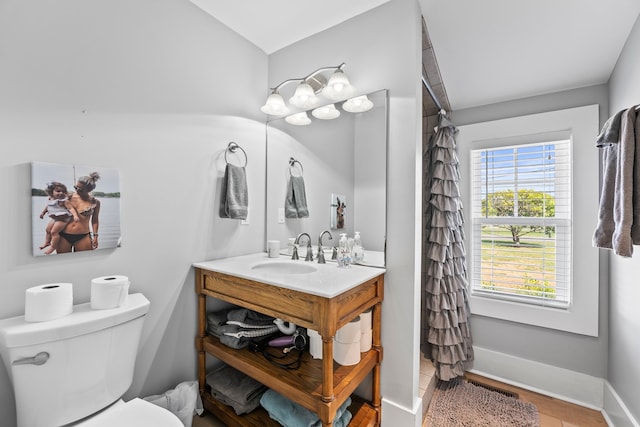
88,358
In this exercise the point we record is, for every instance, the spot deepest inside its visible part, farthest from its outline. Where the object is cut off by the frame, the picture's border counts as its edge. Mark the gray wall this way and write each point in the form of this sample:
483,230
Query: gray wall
578,353
382,51
148,88
144,87
624,293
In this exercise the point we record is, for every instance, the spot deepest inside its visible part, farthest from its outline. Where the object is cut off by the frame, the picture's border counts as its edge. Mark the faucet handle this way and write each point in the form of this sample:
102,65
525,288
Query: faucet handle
294,255
321,255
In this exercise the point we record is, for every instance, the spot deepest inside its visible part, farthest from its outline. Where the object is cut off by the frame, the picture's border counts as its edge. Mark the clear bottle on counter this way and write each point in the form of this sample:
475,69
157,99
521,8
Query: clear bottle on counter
358,249
344,254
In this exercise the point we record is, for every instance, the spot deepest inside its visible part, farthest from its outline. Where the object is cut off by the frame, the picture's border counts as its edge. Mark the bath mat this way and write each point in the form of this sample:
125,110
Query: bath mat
458,403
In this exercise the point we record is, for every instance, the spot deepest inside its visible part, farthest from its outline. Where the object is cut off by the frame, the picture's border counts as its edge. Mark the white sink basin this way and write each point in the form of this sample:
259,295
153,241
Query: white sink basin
285,268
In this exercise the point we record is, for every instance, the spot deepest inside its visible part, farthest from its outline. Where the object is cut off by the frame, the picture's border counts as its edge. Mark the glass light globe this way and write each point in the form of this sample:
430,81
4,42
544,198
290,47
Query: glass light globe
304,96
298,119
326,112
338,87
275,105
359,104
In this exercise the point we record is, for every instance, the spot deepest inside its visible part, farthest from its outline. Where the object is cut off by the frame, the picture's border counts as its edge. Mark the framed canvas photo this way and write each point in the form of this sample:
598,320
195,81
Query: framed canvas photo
337,211
74,208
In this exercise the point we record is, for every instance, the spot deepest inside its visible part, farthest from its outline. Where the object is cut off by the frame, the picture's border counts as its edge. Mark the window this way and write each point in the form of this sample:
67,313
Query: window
529,186
521,223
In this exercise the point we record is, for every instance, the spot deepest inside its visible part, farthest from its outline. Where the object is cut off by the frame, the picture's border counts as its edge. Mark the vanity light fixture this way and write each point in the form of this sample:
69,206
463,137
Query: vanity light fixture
359,104
326,112
336,89
298,119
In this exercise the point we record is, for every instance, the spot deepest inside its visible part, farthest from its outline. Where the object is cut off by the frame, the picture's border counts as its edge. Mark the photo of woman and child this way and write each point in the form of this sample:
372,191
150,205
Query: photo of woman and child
74,217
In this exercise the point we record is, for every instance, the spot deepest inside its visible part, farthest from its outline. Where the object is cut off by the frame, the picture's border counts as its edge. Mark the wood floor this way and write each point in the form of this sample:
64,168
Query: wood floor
553,412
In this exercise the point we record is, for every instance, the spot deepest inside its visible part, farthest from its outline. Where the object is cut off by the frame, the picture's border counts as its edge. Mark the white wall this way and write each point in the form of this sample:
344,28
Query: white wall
146,87
624,294
382,50
149,88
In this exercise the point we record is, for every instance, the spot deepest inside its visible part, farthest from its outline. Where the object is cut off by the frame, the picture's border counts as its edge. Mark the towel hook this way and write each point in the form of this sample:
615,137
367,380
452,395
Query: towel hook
233,147
292,164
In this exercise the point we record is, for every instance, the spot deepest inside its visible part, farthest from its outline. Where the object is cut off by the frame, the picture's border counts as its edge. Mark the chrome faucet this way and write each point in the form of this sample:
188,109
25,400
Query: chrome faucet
320,250
309,256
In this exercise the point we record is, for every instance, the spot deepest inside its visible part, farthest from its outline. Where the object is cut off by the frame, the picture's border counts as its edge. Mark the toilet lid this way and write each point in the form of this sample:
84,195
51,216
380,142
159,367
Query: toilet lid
134,413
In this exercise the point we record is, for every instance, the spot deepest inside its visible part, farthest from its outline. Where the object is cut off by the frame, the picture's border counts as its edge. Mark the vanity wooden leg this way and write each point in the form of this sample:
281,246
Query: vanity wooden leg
376,317
202,332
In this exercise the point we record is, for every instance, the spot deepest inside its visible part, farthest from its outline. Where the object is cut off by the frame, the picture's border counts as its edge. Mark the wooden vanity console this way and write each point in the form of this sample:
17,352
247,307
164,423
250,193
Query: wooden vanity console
319,385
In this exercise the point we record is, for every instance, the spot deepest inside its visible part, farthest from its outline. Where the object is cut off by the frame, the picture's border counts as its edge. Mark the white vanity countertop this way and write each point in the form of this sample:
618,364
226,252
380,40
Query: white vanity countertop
328,280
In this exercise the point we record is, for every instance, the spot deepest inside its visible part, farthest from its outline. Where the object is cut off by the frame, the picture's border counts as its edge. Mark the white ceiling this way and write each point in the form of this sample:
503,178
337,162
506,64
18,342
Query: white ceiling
488,51
274,24
497,50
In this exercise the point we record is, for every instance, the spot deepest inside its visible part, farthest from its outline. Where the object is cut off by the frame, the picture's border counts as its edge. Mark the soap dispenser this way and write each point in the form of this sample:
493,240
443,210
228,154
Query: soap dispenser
344,255
358,250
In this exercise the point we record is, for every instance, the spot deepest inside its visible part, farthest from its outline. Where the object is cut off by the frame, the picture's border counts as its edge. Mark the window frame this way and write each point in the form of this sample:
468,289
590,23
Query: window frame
581,315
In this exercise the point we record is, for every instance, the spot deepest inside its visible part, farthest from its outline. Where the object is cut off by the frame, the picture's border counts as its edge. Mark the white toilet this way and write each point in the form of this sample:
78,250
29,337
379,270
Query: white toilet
74,370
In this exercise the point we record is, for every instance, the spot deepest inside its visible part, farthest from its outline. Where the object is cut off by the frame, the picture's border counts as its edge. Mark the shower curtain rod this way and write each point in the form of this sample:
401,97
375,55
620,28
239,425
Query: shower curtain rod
426,84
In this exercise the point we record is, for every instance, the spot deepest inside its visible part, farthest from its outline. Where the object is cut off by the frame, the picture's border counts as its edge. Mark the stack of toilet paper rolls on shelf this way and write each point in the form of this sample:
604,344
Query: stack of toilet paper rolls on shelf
53,301
350,340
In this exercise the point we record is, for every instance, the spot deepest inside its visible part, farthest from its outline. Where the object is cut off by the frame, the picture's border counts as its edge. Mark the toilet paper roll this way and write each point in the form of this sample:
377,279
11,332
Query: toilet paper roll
48,302
365,321
109,292
365,341
350,332
346,354
315,344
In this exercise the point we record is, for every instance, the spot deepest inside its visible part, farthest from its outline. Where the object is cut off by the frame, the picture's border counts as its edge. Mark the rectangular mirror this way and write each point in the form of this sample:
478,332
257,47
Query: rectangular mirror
343,165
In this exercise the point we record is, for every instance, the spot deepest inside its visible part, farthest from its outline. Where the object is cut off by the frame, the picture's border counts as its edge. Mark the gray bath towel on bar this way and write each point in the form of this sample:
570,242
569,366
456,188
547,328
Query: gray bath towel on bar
610,133
234,200
619,212
295,205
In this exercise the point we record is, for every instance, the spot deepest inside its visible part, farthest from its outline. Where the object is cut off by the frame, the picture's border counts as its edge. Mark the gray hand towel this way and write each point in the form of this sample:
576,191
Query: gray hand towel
234,200
295,205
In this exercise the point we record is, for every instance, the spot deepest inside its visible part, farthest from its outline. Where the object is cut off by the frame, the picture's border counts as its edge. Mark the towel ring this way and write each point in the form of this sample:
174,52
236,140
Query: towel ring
233,147
292,164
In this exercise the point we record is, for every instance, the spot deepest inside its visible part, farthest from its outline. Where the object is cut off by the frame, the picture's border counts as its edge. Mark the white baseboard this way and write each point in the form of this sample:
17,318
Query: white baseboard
396,415
615,411
575,387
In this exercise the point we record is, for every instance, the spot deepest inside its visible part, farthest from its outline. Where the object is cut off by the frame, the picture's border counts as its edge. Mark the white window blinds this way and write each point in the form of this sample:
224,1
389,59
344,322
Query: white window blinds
521,223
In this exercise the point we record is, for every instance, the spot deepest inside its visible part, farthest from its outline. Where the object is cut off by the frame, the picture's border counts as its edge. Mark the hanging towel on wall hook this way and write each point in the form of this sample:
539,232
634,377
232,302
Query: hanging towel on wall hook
295,204
234,194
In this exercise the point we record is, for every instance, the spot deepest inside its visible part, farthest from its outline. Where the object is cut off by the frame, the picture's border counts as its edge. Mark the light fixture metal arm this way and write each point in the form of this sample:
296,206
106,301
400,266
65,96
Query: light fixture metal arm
303,79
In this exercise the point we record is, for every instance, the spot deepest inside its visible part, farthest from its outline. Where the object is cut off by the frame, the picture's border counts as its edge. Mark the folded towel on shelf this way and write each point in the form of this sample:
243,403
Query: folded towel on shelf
215,320
295,204
250,317
234,199
290,414
235,389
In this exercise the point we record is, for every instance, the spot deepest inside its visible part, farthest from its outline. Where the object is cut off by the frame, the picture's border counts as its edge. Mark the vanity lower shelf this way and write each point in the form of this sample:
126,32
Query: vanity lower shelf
364,415
304,384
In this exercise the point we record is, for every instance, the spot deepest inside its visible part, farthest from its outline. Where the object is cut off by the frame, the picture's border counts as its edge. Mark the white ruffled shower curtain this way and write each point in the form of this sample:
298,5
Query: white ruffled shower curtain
445,295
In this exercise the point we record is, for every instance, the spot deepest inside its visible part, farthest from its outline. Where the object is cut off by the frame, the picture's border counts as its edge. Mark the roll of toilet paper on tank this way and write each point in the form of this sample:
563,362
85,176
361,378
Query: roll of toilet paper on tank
48,302
109,292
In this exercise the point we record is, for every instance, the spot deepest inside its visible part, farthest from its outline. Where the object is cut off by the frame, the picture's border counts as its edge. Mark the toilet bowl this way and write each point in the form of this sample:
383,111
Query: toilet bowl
134,413
72,369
